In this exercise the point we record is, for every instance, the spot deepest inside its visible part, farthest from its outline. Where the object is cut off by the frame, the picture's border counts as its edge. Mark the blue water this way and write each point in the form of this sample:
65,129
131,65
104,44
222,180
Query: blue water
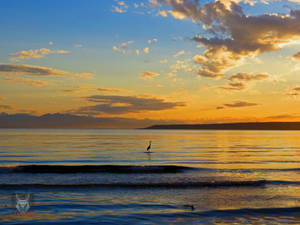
192,177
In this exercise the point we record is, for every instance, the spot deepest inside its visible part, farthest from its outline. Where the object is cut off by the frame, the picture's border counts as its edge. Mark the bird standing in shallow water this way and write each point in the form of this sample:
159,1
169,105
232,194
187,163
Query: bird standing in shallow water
149,147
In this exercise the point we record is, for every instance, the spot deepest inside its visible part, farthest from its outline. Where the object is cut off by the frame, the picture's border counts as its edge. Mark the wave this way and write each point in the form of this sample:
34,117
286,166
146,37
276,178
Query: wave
94,169
238,213
210,184
62,169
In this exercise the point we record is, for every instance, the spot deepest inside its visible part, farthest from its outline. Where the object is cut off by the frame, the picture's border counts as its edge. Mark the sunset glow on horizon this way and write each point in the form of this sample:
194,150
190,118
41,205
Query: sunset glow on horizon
154,61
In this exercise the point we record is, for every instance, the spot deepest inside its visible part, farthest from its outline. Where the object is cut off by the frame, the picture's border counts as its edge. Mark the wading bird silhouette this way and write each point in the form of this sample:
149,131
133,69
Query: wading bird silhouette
149,147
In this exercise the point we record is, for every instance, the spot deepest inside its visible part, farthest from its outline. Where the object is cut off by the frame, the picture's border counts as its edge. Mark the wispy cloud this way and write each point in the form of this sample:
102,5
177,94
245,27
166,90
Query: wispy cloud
123,46
179,53
148,75
164,61
121,7
80,89
32,82
78,45
237,104
6,69
154,40
6,107
34,54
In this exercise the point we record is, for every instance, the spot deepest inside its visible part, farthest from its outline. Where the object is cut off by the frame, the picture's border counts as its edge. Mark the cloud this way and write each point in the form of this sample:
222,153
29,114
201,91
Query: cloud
238,104
283,116
123,46
233,36
247,77
32,82
238,80
294,92
179,54
296,56
78,45
296,89
148,75
7,69
146,50
120,8
164,61
154,40
115,104
6,107
163,13
34,54
86,89
233,86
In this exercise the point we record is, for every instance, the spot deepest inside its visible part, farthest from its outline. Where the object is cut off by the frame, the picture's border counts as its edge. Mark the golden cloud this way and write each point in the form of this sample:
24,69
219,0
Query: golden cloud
34,53
148,75
32,82
234,36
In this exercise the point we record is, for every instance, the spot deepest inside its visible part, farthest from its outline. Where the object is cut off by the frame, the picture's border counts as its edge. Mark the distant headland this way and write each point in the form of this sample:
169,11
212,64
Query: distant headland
233,126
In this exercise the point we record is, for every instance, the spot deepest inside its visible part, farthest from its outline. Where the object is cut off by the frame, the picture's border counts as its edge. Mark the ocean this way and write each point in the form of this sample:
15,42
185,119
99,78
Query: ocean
100,176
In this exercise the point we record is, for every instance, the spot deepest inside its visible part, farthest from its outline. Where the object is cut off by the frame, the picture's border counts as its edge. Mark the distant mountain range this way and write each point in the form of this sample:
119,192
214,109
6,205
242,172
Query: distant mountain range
233,126
58,120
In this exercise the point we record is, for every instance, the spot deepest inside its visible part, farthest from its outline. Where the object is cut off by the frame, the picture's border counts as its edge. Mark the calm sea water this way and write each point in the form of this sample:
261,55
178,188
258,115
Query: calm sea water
192,177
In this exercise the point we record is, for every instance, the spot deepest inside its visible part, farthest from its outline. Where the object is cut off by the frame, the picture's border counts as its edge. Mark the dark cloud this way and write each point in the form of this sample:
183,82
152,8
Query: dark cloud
6,69
115,104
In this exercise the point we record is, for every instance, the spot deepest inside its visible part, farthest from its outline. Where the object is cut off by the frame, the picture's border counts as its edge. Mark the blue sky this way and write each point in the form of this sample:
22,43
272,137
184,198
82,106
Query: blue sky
164,50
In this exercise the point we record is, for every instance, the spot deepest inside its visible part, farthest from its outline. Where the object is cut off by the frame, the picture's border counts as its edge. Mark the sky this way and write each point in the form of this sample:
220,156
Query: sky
164,61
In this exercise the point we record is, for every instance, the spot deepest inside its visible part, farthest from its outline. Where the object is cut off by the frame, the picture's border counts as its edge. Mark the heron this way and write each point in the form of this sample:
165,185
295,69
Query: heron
149,147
